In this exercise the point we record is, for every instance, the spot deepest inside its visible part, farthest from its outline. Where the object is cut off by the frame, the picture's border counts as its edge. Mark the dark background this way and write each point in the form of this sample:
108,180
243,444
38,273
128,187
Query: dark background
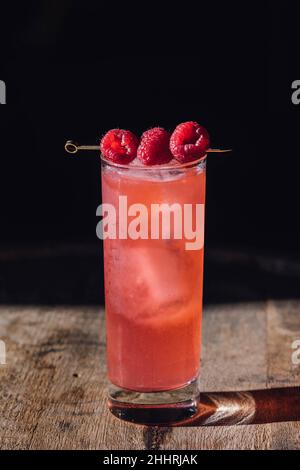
75,69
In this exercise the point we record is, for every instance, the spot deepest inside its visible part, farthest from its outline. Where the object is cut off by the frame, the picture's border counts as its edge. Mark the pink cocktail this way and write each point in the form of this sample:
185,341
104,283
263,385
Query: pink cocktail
153,293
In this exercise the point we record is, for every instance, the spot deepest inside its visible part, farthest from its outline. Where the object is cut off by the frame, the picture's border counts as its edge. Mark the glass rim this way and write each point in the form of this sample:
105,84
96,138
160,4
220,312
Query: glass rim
164,166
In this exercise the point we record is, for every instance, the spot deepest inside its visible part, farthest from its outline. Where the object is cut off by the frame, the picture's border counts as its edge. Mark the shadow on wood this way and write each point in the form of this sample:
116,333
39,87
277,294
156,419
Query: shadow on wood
246,407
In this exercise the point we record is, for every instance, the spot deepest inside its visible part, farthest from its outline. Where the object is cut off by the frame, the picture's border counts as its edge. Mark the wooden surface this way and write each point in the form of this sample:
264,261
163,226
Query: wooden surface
53,387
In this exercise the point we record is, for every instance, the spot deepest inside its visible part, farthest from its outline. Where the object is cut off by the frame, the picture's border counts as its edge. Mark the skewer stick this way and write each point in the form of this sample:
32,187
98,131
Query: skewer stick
218,150
72,147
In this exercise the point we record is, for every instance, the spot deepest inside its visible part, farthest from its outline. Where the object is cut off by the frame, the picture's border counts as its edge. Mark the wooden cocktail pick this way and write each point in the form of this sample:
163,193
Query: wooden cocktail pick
72,147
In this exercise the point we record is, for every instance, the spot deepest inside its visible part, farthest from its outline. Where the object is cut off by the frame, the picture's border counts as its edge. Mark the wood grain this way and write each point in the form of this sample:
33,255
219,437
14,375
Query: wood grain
53,387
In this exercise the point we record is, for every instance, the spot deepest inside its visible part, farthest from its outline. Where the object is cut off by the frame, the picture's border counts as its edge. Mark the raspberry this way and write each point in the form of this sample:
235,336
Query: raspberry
154,147
189,141
119,146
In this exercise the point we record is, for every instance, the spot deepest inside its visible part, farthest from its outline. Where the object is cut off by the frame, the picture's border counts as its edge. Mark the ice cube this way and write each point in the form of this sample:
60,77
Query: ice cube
161,275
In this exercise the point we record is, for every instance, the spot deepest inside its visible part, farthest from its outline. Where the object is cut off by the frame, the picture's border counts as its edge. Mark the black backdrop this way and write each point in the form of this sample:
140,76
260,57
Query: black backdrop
75,69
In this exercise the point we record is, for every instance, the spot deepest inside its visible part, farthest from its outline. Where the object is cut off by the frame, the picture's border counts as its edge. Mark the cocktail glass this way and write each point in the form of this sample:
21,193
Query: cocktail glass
153,293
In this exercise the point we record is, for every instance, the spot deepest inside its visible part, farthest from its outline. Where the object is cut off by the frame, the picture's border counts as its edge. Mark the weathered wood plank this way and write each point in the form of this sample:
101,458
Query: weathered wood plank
54,383
53,388
234,347
283,327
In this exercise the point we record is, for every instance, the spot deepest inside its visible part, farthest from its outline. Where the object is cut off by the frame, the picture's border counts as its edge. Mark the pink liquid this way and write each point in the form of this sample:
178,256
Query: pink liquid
153,288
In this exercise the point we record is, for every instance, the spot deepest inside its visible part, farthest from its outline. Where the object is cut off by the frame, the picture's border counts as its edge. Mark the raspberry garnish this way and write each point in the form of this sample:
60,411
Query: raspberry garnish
189,141
154,147
119,146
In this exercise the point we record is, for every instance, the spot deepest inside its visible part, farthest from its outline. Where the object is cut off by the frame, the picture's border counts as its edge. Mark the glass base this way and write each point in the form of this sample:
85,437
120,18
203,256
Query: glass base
155,408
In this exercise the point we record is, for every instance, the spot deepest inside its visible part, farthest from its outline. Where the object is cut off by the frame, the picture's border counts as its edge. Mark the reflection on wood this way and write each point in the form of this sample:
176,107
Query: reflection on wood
253,407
